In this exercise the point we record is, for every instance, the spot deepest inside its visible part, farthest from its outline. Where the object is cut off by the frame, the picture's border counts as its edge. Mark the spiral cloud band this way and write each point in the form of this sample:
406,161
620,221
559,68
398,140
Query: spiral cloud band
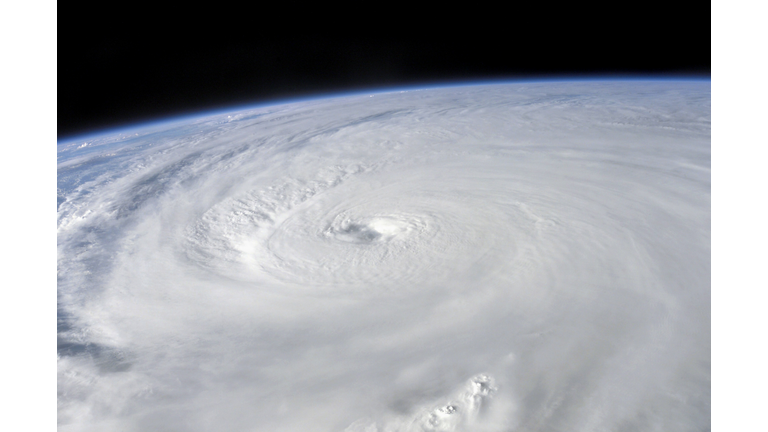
528,256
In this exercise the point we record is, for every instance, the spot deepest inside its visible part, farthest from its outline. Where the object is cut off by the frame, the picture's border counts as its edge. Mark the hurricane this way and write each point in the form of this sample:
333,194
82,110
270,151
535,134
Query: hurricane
525,256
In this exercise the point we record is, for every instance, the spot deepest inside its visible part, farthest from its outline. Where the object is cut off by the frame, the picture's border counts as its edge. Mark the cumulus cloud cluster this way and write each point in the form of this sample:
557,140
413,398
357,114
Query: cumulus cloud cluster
530,256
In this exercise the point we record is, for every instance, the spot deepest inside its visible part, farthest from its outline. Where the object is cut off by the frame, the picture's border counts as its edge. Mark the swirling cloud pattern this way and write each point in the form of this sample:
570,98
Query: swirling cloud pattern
527,256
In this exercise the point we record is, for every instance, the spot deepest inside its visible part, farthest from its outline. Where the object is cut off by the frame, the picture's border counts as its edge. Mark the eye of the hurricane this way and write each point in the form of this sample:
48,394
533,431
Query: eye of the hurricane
374,230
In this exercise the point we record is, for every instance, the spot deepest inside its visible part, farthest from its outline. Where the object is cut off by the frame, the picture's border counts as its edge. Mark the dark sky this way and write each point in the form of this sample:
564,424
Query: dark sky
131,68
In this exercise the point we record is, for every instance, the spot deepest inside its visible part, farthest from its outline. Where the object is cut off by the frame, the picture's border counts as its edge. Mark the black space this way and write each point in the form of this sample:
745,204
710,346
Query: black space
131,68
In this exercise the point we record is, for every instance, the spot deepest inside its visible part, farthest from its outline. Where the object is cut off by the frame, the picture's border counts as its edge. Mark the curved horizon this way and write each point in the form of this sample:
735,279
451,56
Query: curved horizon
223,108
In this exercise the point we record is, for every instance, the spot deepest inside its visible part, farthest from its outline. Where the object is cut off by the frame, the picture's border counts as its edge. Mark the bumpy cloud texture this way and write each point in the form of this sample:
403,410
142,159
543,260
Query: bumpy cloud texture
485,258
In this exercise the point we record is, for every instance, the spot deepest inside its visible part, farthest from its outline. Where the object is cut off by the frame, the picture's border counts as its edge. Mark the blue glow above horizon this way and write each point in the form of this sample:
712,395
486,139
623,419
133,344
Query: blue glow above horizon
132,128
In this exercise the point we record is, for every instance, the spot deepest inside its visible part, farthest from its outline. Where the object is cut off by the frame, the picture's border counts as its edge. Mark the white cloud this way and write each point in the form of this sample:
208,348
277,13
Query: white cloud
351,263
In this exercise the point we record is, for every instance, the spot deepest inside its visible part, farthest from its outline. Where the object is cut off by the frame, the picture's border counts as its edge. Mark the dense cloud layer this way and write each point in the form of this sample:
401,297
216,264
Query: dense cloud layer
489,258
